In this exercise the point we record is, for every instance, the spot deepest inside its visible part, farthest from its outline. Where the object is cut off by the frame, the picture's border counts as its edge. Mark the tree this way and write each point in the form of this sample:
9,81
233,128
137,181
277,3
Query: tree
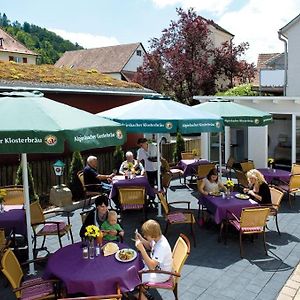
33,196
181,63
179,147
73,180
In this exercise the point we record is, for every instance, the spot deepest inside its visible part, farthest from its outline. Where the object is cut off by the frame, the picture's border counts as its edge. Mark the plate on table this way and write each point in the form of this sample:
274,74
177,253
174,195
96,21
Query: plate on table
216,194
126,255
242,196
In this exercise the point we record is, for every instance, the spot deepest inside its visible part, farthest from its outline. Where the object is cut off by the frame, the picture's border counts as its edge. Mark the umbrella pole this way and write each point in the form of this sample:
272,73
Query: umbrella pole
220,155
158,173
27,210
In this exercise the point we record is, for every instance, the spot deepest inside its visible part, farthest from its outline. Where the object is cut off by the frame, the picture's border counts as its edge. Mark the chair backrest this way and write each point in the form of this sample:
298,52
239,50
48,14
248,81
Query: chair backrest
254,217
11,269
204,169
295,169
276,196
241,178
164,203
84,214
187,155
14,195
180,253
247,166
132,195
294,182
166,179
81,179
36,212
230,162
165,167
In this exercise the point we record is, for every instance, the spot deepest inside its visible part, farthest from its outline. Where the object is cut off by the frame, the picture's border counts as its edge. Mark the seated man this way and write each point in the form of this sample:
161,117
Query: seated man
137,166
93,178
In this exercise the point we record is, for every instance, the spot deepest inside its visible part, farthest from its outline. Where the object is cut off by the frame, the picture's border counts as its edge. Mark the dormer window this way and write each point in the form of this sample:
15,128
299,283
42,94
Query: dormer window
139,52
1,41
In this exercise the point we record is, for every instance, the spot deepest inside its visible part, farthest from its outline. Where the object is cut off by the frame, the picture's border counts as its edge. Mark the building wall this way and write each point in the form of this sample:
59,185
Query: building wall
135,61
293,88
4,56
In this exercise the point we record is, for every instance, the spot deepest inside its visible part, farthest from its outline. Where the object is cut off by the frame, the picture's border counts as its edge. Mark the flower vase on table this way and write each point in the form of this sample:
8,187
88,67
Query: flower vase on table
229,185
91,233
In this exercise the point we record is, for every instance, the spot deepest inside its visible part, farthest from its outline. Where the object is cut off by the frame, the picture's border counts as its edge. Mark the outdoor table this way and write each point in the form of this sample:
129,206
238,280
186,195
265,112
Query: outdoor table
189,166
13,220
120,181
97,276
218,206
271,174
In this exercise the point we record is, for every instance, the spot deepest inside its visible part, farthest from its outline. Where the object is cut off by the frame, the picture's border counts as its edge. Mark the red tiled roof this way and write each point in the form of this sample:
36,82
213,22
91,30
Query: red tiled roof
110,59
263,59
9,44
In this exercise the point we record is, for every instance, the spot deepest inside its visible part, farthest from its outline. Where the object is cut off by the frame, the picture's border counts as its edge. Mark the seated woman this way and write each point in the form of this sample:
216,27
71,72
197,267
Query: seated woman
258,188
211,183
160,252
137,166
97,216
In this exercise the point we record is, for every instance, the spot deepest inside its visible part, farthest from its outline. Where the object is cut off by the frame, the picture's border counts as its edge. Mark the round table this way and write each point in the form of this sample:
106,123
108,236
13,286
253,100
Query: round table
97,276
271,174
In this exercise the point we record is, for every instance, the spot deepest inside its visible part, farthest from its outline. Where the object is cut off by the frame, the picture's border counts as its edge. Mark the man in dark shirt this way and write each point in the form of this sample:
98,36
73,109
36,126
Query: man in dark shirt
92,177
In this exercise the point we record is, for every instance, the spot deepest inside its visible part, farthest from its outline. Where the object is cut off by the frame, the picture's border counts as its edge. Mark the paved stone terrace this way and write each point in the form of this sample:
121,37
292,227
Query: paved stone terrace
216,271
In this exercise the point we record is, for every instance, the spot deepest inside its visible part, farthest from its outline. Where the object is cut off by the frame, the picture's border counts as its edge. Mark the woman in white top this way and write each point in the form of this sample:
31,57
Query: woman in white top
211,184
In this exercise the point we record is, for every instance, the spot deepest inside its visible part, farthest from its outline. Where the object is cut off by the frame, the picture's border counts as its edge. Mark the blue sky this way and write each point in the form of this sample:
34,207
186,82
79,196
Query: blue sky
97,23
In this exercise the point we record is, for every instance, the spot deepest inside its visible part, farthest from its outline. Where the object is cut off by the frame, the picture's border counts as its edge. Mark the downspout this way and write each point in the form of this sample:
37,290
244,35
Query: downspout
284,39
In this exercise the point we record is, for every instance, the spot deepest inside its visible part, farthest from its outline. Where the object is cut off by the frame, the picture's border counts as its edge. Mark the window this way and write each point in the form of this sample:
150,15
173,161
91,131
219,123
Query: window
138,52
24,60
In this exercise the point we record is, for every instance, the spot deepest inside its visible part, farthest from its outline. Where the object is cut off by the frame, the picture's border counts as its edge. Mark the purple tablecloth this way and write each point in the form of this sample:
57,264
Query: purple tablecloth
219,206
13,219
271,174
92,276
120,181
189,166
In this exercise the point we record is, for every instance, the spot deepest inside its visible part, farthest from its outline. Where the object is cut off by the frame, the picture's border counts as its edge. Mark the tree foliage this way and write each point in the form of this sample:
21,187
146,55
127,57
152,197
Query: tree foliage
183,62
240,90
47,44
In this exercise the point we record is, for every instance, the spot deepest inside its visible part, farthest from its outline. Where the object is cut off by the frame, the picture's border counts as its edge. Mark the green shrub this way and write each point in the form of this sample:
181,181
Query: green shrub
179,147
73,180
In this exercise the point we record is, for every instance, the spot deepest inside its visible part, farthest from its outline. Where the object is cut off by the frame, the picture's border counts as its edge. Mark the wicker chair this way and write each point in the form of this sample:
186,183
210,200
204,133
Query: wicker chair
44,228
14,195
242,179
291,188
178,216
35,288
132,198
187,155
180,253
88,195
295,169
247,166
276,197
252,221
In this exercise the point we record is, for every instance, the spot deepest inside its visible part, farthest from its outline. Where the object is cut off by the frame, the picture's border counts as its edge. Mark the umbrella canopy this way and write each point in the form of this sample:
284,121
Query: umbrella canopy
162,115
34,124
234,114
31,123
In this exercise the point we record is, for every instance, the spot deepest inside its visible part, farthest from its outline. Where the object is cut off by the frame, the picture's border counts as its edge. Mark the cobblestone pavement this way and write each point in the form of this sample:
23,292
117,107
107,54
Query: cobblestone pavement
216,271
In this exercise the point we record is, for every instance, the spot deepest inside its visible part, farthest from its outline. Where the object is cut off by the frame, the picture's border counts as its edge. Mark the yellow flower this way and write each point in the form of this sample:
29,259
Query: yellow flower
130,165
92,231
270,160
229,183
195,152
2,194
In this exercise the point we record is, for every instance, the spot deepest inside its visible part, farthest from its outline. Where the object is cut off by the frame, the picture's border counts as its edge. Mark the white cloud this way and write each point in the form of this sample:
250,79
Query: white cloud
86,40
258,23
216,7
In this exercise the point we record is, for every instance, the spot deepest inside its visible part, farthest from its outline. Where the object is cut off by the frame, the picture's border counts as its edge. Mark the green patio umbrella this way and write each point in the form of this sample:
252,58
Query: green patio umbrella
234,114
31,123
159,114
